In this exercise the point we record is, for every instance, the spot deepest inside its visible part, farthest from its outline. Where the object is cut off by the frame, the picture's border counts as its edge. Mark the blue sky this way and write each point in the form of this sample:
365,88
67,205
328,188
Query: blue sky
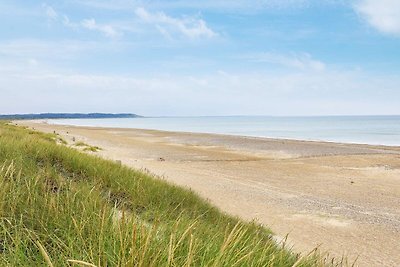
263,57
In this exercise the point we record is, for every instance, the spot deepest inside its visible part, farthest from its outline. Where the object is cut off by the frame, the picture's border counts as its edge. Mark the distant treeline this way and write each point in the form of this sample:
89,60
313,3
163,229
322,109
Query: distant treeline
66,116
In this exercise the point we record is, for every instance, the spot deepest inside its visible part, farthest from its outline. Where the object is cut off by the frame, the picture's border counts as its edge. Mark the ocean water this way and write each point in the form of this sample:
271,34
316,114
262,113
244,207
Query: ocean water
382,130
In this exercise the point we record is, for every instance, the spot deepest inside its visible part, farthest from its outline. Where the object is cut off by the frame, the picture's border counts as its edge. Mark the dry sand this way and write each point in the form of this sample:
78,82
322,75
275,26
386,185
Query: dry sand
344,198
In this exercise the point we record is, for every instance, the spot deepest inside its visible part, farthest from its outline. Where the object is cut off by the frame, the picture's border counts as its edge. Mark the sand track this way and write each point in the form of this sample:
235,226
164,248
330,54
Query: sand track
343,197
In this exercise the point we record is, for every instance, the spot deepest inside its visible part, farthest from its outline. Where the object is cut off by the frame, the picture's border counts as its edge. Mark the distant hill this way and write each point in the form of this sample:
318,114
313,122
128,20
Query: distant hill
67,116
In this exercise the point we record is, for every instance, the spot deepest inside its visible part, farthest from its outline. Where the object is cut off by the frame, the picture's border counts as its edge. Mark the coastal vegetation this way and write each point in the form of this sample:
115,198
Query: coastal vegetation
87,147
62,207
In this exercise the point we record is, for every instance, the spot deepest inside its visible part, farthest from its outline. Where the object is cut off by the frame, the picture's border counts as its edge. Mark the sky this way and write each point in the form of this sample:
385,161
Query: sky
200,58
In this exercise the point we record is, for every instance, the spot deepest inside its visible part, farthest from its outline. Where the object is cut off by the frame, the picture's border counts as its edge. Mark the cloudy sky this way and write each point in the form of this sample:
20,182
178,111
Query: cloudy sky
210,57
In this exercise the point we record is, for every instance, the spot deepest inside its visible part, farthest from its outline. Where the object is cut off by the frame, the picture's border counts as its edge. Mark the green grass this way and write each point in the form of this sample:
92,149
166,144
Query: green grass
62,207
87,147
81,144
92,148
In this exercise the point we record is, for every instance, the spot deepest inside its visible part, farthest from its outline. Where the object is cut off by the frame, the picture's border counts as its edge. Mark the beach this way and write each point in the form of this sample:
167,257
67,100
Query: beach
342,198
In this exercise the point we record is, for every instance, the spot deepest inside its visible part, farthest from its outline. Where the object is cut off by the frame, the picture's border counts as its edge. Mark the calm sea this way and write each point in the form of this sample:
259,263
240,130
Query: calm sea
383,130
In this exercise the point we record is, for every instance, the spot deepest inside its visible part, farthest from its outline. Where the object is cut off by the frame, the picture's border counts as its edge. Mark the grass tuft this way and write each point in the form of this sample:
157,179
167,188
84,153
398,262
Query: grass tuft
87,147
81,144
92,148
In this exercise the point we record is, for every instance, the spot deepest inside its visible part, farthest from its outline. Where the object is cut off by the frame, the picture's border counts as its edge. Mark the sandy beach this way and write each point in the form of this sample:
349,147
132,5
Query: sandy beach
344,198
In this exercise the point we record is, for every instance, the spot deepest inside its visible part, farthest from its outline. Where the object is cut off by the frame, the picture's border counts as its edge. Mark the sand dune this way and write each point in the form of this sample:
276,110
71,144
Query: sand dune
343,197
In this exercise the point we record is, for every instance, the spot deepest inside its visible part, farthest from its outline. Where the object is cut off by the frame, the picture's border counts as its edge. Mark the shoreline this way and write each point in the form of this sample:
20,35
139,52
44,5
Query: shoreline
264,138
343,197
337,129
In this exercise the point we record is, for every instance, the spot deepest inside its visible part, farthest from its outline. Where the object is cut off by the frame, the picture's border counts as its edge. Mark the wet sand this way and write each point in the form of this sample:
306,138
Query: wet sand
344,198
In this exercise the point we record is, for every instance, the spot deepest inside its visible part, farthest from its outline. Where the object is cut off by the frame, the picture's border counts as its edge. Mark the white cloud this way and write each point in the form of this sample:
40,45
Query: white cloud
50,12
106,29
218,5
67,22
383,15
224,93
107,4
188,26
33,62
237,4
51,52
302,61
89,24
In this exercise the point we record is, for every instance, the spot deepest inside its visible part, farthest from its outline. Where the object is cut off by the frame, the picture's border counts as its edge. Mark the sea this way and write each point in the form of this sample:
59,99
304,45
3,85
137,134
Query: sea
376,130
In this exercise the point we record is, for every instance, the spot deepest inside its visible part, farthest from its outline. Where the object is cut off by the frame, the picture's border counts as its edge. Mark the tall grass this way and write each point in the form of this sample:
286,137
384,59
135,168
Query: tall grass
62,207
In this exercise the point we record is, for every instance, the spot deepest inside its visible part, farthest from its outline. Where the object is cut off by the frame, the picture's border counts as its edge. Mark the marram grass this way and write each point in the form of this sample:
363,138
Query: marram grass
62,207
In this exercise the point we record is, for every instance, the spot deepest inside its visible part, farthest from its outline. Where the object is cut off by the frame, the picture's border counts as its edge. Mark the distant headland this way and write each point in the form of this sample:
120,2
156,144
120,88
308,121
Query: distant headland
68,116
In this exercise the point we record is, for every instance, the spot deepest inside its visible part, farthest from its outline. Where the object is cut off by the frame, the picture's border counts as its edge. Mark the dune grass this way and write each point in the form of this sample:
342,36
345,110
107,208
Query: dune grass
62,207
92,148
80,143
87,147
